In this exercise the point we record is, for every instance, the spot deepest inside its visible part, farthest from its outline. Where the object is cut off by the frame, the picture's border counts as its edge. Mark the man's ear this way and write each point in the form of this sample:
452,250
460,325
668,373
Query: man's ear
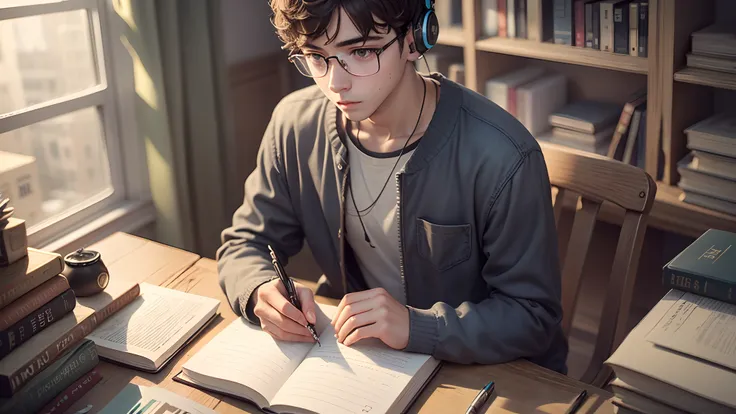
411,46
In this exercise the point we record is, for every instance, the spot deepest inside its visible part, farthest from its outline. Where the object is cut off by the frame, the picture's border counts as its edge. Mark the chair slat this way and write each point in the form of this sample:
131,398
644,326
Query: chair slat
620,292
582,232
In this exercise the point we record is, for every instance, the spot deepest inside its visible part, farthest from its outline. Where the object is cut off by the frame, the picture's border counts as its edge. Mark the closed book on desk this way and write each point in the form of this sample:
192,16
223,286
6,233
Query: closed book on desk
148,332
306,378
681,380
706,267
28,273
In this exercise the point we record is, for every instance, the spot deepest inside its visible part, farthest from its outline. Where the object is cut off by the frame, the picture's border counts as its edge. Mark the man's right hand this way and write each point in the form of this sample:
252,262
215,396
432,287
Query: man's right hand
278,316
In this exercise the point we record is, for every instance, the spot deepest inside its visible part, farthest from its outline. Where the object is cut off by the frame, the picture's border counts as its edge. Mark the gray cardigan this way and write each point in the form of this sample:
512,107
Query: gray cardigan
478,245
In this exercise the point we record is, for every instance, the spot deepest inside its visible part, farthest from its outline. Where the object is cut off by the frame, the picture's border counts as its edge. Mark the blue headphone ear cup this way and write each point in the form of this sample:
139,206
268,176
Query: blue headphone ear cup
426,32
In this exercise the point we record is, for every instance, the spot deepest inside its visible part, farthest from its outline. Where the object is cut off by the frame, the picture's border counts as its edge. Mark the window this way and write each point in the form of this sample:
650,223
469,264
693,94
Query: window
61,96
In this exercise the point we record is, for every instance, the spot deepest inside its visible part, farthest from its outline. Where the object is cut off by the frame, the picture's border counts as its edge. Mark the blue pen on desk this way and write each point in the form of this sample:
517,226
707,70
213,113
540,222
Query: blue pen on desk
481,398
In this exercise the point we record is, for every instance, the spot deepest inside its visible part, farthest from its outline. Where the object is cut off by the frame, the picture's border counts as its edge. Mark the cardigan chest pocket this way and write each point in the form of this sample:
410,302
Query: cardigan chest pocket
443,245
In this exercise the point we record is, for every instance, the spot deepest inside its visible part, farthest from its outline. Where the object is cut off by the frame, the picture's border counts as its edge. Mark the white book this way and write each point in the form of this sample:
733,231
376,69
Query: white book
244,362
511,18
538,99
489,13
497,89
149,331
715,134
680,380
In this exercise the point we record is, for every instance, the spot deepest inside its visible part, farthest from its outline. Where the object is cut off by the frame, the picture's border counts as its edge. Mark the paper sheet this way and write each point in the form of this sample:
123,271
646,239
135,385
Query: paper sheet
701,327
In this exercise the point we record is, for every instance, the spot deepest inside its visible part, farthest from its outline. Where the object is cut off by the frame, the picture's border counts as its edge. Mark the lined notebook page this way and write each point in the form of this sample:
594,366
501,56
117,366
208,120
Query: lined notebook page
244,354
363,378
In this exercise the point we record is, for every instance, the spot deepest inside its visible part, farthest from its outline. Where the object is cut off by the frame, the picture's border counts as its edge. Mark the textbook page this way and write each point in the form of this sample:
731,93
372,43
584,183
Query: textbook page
701,327
363,378
152,326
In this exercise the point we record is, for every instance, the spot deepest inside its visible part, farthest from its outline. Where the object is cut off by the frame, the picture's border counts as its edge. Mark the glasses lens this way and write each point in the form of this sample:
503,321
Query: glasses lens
361,62
311,65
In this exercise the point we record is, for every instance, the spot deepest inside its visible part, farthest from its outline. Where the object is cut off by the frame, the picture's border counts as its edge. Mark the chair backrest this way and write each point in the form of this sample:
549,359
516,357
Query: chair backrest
595,179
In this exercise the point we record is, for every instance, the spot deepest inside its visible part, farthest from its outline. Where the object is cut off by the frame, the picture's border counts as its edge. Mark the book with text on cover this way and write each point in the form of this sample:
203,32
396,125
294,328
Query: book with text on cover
706,267
244,362
149,331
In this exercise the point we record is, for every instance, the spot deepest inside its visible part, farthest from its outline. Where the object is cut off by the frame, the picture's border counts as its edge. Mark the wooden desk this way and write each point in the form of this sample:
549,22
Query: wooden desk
522,387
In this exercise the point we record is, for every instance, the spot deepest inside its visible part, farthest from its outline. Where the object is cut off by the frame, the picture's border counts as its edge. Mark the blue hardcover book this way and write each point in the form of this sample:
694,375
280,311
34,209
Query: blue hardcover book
707,267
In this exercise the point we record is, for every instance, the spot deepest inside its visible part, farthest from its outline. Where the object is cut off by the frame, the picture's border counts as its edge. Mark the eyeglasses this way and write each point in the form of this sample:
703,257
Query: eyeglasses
359,62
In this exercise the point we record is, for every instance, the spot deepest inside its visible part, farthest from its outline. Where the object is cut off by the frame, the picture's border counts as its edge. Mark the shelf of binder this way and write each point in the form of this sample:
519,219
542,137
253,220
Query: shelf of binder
564,54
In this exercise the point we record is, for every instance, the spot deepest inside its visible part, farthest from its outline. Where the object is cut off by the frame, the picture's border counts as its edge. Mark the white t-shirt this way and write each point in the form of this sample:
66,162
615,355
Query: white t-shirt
368,173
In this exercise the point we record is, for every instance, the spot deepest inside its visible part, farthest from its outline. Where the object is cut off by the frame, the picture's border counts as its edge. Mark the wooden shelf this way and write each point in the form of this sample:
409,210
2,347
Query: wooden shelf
707,77
564,54
452,36
672,214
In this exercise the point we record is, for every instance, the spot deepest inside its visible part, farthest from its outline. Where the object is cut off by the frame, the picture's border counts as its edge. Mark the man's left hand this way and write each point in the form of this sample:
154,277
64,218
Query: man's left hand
372,314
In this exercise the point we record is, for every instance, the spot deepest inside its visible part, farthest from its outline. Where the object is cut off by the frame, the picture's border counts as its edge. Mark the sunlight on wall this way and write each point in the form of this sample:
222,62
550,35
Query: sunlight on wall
144,86
125,10
164,196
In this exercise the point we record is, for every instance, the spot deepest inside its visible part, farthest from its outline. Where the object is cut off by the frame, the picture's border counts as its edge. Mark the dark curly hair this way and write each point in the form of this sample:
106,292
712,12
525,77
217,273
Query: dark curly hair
298,20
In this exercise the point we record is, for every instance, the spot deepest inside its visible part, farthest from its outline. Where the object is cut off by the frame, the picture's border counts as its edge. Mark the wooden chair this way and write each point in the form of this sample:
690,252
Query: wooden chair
595,179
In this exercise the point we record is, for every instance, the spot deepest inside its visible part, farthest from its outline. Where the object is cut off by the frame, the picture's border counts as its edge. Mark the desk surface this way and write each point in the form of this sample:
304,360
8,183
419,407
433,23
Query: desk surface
521,387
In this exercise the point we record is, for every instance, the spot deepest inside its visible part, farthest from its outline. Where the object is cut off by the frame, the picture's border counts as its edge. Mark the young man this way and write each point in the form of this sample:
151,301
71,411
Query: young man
427,207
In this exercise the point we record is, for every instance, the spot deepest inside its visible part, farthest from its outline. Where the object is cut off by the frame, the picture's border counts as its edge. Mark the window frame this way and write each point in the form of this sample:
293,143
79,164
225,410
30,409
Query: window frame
129,199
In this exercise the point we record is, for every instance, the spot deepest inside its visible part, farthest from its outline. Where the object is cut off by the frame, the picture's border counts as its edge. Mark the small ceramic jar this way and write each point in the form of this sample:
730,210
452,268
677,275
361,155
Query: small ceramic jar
86,273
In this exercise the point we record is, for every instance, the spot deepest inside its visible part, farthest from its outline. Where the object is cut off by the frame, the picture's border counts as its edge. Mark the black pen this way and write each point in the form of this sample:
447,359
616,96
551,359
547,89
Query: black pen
290,290
577,403
481,398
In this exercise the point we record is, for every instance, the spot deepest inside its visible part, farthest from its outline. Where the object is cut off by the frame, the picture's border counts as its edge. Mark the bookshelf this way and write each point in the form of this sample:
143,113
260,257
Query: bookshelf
677,96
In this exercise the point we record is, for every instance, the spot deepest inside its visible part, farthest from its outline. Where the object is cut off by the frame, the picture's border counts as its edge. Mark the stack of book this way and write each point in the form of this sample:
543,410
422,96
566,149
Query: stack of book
43,352
617,26
680,357
530,94
714,48
708,172
585,125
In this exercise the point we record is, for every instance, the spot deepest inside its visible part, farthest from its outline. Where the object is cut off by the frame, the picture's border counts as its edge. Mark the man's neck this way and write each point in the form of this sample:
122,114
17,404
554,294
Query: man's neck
388,129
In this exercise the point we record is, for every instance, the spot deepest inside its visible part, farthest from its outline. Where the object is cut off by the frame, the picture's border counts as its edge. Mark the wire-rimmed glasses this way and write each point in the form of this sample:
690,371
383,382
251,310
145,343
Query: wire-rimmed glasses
358,62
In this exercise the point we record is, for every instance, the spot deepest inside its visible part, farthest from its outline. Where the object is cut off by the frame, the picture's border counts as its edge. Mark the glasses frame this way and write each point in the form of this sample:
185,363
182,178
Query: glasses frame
378,52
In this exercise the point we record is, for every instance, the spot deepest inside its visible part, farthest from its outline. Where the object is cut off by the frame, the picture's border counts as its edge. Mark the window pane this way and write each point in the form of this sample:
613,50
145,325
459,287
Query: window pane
50,167
44,57
11,3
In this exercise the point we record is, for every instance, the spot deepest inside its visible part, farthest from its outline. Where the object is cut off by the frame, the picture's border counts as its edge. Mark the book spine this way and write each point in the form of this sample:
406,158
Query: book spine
490,18
534,19
37,321
621,128
634,29
700,285
579,23
606,31
10,384
55,379
32,301
596,26
502,19
563,22
511,18
589,25
621,28
72,394
548,20
118,303
521,22
19,287
643,28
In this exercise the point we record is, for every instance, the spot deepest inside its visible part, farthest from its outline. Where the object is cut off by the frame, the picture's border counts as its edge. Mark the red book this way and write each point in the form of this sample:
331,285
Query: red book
579,23
502,25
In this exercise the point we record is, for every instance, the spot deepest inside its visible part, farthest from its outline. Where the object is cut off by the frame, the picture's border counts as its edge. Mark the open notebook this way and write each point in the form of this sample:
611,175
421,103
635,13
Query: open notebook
367,377
149,331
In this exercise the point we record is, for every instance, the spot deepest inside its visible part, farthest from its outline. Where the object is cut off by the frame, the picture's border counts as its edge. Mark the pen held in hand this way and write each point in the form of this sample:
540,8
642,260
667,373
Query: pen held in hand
291,292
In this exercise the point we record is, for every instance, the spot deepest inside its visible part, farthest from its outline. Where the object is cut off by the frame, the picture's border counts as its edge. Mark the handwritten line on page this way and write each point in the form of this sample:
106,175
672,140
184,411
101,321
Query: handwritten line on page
701,327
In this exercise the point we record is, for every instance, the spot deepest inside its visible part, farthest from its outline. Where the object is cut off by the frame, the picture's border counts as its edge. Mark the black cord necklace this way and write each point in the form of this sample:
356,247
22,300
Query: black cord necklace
401,153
